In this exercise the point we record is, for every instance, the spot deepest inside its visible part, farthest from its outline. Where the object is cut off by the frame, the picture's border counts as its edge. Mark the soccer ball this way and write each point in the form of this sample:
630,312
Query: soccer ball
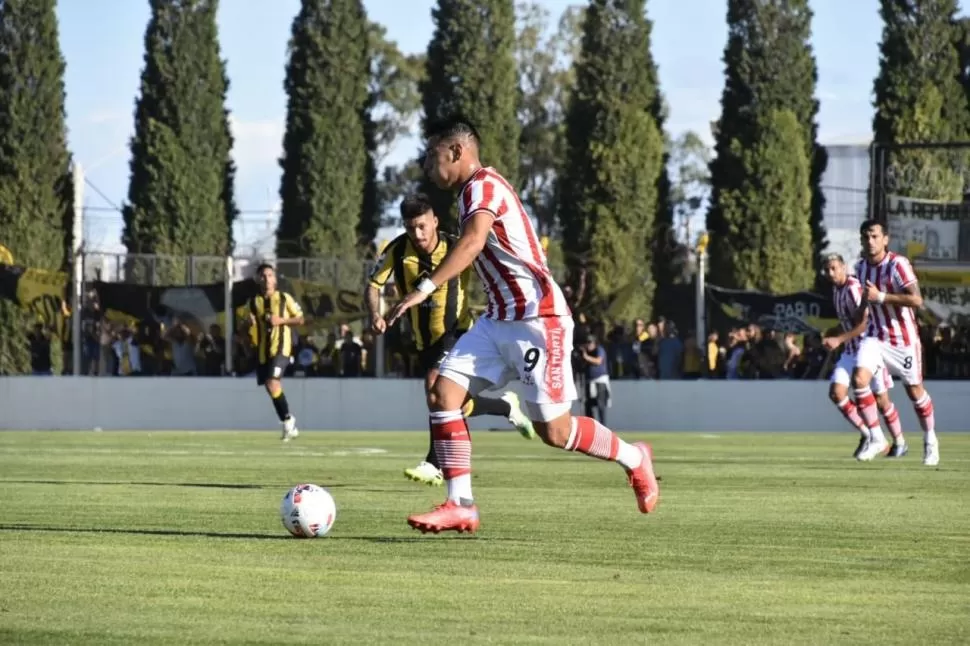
308,511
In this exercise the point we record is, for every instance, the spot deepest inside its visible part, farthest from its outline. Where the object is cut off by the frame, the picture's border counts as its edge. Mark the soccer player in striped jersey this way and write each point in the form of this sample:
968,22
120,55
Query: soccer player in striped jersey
847,296
892,296
439,322
526,333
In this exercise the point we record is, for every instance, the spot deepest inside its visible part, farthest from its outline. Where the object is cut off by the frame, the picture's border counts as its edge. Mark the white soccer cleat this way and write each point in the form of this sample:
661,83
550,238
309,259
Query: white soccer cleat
874,448
290,430
427,473
517,417
931,454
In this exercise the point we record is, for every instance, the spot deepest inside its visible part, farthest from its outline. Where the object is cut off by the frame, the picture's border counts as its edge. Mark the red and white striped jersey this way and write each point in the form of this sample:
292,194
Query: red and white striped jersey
847,298
512,265
893,324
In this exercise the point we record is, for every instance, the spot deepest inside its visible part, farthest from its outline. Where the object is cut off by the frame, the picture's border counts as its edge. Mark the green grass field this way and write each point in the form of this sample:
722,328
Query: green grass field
174,538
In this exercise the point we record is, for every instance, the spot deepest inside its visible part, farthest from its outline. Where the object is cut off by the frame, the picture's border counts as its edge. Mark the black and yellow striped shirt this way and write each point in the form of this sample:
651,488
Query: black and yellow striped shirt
446,309
273,340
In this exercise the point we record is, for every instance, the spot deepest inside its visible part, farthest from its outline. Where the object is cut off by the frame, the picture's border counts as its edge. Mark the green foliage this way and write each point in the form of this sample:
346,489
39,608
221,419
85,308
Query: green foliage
769,67
682,196
180,197
919,97
325,156
770,238
471,70
614,161
544,62
35,190
394,99
398,181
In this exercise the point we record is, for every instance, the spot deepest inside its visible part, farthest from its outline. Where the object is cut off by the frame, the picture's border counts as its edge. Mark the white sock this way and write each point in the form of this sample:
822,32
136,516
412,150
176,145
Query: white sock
628,455
460,487
929,437
876,435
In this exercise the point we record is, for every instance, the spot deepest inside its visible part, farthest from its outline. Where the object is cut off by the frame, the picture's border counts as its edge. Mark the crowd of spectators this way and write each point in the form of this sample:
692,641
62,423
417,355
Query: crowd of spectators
639,349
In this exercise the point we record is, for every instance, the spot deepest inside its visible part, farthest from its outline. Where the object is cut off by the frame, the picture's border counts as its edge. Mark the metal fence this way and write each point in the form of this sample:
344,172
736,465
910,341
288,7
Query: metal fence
159,270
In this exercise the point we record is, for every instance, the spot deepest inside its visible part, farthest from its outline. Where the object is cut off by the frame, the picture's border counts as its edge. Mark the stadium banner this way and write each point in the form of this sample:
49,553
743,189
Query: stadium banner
946,300
801,312
201,306
929,229
41,292
147,307
946,295
324,305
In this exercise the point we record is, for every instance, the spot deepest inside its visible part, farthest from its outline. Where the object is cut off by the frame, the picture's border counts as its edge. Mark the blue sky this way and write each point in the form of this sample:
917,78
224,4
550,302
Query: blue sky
102,42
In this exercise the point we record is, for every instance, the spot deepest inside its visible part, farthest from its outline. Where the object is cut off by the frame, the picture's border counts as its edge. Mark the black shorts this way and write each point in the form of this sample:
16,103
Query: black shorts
275,368
432,356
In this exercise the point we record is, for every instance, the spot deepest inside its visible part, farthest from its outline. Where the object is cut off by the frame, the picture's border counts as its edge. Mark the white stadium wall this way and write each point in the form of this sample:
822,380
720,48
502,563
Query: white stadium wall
184,403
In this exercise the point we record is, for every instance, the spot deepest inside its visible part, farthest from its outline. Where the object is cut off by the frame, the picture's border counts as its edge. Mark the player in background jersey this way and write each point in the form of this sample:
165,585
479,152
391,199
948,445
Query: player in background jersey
892,296
847,296
526,333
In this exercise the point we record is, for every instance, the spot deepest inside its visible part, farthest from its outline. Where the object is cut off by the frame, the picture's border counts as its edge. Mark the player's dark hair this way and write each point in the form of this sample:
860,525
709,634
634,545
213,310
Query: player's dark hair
869,224
263,267
451,127
415,205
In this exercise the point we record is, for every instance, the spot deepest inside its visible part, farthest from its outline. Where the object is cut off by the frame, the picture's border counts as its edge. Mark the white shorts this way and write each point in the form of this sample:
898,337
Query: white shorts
842,375
537,352
905,362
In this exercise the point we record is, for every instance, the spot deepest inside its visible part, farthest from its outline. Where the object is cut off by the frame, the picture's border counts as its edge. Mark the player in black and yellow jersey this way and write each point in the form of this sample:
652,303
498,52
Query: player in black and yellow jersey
273,314
439,321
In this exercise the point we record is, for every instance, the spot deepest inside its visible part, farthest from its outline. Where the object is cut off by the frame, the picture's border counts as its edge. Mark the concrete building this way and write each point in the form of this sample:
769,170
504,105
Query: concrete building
845,185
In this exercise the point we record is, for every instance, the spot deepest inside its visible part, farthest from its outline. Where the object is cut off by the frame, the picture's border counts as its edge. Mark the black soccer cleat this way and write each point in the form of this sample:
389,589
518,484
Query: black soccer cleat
897,451
863,443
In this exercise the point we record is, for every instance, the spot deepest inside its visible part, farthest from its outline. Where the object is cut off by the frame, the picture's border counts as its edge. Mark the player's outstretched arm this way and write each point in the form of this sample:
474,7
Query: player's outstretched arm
473,237
861,320
372,300
469,245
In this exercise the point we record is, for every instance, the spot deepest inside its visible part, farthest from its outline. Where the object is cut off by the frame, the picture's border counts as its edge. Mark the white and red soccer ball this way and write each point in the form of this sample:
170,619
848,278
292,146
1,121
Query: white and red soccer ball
308,511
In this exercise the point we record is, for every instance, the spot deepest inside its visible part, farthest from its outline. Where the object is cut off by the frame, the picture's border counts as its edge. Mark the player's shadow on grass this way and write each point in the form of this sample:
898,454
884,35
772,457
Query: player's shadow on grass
187,533
202,485
140,532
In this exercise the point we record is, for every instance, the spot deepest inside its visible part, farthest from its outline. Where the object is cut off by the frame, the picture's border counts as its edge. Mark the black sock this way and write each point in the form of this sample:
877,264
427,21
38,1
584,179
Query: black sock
282,408
489,406
432,457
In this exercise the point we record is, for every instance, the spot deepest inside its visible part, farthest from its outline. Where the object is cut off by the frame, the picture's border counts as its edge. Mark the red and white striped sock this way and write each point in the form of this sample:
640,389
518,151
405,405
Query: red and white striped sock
924,411
851,413
592,438
891,416
865,402
453,447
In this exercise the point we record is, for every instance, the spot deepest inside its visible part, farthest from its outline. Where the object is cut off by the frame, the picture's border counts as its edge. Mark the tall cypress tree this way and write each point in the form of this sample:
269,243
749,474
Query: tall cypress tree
325,154
370,206
35,196
769,68
393,100
772,236
471,71
614,160
180,199
919,98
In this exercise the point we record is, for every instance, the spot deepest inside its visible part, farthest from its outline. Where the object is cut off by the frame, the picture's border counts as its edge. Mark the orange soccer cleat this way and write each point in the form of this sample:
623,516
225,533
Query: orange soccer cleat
644,481
449,516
